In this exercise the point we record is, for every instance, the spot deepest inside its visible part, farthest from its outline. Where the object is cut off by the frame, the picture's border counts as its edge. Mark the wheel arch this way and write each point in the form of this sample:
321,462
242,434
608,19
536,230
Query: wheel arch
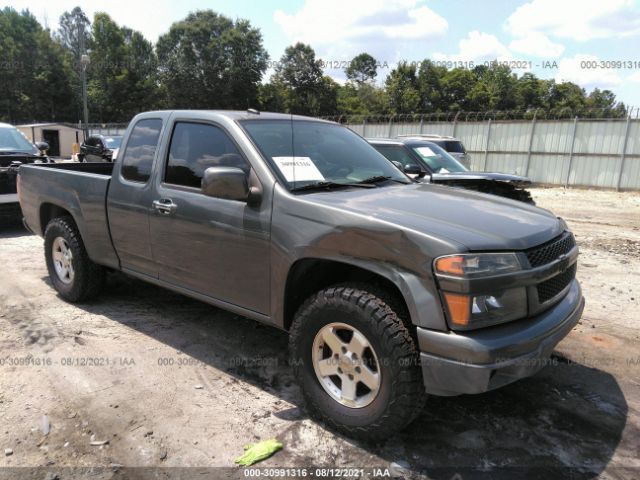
309,275
50,211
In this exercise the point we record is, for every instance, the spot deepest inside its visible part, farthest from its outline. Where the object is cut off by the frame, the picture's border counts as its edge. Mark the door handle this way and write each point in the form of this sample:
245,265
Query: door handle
165,206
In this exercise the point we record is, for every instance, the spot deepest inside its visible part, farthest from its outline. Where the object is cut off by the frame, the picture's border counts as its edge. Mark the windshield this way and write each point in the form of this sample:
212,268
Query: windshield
12,140
438,160
113,142
307,152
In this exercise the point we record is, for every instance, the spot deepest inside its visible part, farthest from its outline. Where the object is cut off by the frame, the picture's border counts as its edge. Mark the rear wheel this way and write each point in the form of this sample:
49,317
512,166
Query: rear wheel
73,274
356,362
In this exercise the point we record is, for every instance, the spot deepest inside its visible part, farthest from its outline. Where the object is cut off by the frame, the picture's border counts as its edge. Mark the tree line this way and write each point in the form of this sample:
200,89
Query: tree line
209,61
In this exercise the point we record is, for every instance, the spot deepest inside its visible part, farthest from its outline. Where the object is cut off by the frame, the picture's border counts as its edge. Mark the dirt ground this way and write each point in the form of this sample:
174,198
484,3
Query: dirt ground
177,388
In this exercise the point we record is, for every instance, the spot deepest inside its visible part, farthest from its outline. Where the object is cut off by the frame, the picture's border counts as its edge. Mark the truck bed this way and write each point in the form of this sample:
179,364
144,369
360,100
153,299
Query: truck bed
8,174
81,190
99,168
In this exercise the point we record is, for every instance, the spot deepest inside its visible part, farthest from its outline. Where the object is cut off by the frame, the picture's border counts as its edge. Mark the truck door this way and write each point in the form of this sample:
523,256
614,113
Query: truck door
212,246
130,197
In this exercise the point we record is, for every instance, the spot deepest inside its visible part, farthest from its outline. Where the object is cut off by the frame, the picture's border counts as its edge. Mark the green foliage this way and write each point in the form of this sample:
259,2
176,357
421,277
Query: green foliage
402,89
299,85
209,61
430,86
363,68
457,87
122,72
491,88
606,101
74,35
33,80
360,95
74,32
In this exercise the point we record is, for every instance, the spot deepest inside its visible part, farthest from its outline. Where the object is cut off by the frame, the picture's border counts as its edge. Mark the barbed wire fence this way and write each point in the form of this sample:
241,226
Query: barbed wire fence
494,115
585,147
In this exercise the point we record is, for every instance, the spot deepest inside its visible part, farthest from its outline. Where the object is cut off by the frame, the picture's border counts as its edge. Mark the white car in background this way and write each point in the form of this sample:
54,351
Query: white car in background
451,144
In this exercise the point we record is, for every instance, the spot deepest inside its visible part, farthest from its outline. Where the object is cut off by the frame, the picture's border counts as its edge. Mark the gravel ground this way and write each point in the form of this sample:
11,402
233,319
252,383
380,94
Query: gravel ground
143,381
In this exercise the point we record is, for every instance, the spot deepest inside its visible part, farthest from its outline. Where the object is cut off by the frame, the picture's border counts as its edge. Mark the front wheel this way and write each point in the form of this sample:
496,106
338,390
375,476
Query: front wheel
73,274
356,362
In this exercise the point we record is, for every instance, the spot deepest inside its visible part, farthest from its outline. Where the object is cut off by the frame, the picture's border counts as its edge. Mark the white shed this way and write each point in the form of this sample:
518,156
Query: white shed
59,136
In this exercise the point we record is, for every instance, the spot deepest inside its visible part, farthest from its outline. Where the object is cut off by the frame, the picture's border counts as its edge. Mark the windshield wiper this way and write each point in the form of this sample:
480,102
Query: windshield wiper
379,178
328,185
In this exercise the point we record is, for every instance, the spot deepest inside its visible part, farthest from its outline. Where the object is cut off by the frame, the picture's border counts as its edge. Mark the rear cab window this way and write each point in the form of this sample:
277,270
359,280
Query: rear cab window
137,160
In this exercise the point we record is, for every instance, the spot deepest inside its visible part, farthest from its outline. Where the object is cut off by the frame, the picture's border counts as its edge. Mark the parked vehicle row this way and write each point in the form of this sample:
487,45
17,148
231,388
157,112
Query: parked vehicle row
15,150
100,148
425,159
389,288
450,144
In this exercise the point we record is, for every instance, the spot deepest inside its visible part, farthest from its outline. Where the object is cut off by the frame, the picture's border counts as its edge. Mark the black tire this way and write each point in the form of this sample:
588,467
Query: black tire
81,158
88,277
401,394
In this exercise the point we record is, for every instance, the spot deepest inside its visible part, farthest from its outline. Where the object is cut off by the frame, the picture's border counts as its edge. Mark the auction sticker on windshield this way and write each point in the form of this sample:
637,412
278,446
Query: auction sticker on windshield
298,169
426,152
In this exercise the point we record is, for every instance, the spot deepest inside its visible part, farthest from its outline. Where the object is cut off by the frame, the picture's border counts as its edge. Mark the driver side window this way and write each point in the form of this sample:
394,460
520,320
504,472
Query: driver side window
196,147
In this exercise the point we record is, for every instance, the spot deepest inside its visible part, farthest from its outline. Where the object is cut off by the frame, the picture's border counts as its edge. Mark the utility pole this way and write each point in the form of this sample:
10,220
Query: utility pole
84,62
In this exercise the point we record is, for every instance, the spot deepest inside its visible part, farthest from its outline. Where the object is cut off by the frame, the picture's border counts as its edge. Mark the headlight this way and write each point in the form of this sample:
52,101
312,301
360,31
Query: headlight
477,264
474,310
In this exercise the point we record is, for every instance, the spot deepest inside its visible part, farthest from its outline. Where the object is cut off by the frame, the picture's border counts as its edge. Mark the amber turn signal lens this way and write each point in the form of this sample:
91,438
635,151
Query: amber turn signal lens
452,265
459,307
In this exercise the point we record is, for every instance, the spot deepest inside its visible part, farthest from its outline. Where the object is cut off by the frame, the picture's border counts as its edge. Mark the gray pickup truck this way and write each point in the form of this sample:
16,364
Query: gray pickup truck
389,288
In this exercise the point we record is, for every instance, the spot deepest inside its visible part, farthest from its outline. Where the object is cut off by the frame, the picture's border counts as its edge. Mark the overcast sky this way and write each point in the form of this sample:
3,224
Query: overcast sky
567,32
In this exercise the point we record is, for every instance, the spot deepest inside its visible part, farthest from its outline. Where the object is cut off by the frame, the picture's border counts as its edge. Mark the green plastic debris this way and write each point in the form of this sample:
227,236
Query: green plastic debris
257,452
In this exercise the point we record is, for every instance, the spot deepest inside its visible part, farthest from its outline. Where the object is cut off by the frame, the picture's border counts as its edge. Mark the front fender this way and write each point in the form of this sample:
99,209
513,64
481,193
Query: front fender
367,251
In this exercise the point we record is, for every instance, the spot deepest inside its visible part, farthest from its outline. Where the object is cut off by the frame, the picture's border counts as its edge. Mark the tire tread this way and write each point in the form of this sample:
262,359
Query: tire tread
89,276
410,396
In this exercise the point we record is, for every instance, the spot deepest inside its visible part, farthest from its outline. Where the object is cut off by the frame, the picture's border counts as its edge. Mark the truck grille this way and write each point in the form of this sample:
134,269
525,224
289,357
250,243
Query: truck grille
552,287
548,252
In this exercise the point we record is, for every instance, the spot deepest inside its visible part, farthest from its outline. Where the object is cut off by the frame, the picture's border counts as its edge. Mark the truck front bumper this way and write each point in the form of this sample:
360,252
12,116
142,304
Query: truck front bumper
455,363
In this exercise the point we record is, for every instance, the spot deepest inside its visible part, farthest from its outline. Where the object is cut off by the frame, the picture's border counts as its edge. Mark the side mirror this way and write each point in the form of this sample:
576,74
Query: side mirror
225,182
42,146
412,170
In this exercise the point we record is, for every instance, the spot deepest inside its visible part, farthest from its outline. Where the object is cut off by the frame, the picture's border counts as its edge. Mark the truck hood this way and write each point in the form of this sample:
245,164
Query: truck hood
471,176
474,220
